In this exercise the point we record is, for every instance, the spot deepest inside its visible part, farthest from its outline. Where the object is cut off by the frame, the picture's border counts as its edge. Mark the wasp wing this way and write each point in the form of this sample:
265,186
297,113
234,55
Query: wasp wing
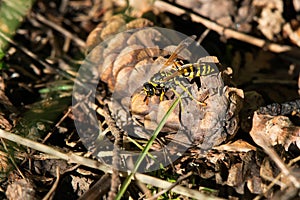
182,45
208,59
186,67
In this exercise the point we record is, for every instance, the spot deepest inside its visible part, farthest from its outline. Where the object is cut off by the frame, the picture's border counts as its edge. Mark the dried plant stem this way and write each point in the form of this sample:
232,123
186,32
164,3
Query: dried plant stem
70,157
60,29
172,186
49,195
276,179
99,189
33,56
279,162
115,179
12,159
73,158
228,33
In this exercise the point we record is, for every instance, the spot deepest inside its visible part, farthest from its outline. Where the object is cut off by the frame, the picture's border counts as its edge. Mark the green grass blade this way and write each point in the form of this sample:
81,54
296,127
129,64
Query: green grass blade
146,149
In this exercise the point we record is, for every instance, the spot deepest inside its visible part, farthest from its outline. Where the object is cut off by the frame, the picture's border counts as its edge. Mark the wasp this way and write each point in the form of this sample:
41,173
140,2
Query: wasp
164,80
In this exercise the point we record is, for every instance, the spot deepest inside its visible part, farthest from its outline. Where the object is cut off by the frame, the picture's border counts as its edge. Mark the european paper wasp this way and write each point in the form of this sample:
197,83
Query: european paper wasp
164,80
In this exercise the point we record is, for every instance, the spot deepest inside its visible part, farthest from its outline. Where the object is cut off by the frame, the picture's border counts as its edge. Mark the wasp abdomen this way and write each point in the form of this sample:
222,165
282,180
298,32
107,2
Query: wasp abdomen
197,70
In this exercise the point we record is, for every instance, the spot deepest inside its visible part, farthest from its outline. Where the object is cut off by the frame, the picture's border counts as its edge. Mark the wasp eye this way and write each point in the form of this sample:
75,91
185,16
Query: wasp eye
149,89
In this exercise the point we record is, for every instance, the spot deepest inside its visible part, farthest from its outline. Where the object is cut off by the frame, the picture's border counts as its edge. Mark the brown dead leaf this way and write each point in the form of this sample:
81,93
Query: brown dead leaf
80,184
224,8
266,170
20,190
274,130
270,20
246,172
245,15
255,185
292,34
5,166
236,177
236,146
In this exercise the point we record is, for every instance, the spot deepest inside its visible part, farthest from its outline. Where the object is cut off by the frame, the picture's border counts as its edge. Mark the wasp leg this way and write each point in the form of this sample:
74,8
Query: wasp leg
188,92
180,100
162,94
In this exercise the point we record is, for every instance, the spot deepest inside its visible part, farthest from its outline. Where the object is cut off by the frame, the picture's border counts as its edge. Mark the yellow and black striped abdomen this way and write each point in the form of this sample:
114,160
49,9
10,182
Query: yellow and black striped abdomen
197,70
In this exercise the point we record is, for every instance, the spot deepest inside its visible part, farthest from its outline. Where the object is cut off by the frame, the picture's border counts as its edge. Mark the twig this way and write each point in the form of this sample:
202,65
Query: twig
54,186
177,189
36,58
203,36
99,189
63,6
70,157
171,186
144,189
115,179
275,81
278,161
60,29
57,125
276,179
228,33
12,159
73,158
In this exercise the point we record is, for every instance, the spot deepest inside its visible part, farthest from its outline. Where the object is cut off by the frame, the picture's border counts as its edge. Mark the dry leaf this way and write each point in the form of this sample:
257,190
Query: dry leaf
274,130
236,177
270,20
294,35
5,166
296,4
236,146
20,190
225,9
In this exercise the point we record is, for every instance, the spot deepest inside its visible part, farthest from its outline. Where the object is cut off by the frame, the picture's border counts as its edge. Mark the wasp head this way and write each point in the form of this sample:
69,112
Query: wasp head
149,89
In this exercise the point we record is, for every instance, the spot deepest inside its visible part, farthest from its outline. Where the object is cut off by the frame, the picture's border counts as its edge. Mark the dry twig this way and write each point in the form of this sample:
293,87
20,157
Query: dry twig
60,29
172,186
228,33
74,158
49,195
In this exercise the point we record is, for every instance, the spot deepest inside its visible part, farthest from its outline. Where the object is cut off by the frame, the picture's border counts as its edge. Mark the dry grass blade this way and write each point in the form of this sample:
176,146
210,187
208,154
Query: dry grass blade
71,157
